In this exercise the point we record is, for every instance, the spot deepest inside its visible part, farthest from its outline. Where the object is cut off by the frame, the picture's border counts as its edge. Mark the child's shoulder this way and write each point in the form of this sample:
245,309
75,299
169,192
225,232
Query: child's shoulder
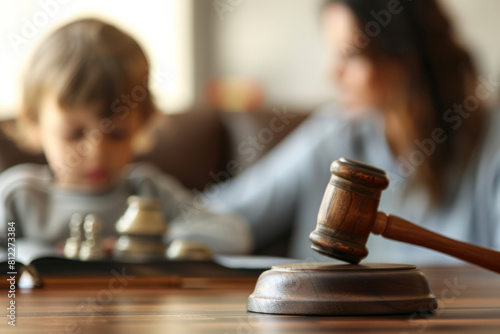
25,176
142,170
27,173
144,175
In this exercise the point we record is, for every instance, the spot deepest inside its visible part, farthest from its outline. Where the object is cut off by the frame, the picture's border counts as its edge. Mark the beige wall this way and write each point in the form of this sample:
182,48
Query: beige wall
164,31
278,42
477,22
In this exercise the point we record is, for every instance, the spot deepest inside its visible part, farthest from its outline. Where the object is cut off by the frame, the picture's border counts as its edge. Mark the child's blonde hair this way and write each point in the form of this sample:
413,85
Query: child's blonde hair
86,61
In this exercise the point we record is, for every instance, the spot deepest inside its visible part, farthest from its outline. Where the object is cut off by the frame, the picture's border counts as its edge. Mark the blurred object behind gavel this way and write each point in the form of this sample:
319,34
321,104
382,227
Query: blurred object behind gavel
348,214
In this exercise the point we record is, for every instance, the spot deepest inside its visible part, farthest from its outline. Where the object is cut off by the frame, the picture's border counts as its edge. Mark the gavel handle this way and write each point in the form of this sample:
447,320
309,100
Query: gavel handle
396,228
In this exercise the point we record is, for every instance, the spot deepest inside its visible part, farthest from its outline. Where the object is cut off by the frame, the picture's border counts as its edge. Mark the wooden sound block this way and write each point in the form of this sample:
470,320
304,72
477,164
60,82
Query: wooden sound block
342,289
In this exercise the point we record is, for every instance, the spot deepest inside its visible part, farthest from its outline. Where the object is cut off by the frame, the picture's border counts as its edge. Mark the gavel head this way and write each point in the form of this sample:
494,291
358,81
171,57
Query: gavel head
348,210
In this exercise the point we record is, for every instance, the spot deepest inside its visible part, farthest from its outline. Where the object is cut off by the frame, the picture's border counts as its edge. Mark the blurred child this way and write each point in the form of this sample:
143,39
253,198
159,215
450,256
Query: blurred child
85,100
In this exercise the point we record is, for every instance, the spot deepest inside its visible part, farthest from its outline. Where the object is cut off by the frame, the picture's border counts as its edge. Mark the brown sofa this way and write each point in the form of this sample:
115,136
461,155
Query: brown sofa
192,146
197,147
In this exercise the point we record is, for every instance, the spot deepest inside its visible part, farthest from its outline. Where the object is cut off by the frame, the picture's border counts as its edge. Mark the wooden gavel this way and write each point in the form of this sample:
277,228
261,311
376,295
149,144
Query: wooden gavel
348,214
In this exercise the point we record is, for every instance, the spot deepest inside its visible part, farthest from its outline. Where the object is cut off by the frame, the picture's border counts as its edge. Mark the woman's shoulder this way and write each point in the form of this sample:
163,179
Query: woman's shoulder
329,114
332,117
332,128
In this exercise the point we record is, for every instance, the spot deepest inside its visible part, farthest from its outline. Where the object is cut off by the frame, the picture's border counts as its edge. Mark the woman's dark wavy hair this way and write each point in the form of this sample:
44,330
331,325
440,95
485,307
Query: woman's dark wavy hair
442,74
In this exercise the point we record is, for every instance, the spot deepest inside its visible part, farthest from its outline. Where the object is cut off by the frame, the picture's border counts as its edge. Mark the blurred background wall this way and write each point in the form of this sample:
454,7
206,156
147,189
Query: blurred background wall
163,28
279,43
275,45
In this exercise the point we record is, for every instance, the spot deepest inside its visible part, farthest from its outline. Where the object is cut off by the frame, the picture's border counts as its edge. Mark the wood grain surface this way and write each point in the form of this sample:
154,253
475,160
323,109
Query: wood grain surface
469,302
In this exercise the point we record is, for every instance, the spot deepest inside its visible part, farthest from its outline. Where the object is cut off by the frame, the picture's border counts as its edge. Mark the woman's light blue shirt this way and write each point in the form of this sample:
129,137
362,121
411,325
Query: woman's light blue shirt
284,190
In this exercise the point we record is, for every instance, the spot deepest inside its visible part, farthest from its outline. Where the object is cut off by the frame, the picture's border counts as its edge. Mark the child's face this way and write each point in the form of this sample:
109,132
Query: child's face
85,150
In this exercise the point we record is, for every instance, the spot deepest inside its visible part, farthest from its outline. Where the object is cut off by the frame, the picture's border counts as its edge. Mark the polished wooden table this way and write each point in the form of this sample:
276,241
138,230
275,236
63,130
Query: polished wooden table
469,302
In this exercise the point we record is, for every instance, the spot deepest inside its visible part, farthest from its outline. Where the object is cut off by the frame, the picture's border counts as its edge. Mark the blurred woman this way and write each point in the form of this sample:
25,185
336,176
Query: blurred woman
410,103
